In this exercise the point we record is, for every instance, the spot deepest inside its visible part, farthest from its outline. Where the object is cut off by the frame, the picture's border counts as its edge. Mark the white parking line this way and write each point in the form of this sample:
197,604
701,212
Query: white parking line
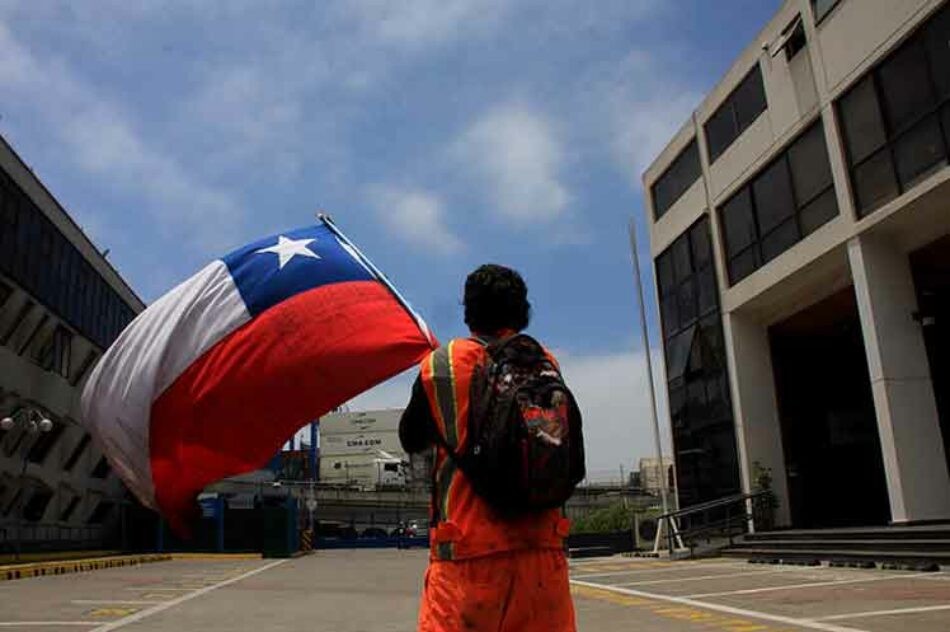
700,578
110,602
742,612
138,616
17,624
881,613
837,582
659,570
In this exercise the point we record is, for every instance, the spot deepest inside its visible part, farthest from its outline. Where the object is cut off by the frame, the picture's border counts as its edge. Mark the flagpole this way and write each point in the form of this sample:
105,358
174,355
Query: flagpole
649,362
328,222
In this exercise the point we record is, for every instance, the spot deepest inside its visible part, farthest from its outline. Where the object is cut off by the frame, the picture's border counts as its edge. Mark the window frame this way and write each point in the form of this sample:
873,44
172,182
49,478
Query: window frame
895,133
678,163
798,205
730,109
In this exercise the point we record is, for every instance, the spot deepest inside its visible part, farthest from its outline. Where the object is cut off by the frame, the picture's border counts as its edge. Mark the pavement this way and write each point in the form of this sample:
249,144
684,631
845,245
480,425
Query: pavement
378,590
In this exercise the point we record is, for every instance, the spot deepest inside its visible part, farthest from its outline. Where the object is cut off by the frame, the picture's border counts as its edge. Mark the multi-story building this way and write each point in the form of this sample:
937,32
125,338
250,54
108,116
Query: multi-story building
61,304
800,231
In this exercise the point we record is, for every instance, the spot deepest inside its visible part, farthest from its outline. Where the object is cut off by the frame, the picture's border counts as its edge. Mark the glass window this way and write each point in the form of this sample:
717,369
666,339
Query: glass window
670,314
938,49
699,244
905,85
862,122
677,353
780,240
875,182
681,264
749,99
822,8
808,161
918,151
891,152
687,302
796,39
720,130
818,212
738,222
744,264
681,174
772,192
708,295
664,272
736,113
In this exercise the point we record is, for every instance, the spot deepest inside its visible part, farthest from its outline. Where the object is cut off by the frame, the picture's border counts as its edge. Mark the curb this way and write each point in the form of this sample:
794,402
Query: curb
39,569
216,556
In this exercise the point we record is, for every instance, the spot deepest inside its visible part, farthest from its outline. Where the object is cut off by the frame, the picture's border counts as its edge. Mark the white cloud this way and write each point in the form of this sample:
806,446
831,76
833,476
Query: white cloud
416,217
415,24
612,391
514,151
104,143
642,107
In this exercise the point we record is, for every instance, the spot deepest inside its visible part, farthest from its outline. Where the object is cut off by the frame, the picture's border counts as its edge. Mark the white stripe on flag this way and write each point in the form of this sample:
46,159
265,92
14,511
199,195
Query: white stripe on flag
157,347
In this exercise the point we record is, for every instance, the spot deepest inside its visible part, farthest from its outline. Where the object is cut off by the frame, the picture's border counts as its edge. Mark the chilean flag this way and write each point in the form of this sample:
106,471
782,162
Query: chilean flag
212,378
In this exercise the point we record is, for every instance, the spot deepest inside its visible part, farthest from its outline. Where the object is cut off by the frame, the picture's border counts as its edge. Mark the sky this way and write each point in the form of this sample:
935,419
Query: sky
439,134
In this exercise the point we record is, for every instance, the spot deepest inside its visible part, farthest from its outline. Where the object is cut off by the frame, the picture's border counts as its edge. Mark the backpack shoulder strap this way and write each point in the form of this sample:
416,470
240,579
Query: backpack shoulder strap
443,383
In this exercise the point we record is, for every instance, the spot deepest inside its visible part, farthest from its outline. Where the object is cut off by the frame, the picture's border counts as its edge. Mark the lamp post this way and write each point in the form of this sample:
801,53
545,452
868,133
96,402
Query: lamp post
33,422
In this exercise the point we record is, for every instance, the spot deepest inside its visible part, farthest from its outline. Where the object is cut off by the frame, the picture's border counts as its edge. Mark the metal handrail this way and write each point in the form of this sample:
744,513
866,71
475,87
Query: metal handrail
712,504
745,516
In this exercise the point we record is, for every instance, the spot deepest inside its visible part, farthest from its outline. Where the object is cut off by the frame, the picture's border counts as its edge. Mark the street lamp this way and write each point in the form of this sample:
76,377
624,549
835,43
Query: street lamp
32,421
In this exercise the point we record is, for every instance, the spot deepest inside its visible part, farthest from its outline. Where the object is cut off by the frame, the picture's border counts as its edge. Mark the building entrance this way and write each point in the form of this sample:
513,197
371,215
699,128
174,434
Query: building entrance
931,269
829,430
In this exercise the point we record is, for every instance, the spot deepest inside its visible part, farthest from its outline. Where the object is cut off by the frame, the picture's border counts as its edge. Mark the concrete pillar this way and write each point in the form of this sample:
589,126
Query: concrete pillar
914,461
755,407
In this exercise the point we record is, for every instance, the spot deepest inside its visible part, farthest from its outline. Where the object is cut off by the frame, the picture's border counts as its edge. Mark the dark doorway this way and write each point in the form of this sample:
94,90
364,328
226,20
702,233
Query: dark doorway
829,430
931,268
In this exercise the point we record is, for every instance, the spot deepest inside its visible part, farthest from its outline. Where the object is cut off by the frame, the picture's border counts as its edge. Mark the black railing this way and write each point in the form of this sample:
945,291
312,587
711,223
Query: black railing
718,521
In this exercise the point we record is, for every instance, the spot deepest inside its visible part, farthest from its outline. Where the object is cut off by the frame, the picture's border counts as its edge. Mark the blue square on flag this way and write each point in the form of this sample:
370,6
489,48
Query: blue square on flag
271,270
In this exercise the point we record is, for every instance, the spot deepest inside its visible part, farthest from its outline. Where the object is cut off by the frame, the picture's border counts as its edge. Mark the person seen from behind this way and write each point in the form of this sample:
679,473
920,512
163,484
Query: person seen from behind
509,452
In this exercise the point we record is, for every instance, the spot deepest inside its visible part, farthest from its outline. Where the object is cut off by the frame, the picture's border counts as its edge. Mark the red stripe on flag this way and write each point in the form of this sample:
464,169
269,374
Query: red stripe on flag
233,408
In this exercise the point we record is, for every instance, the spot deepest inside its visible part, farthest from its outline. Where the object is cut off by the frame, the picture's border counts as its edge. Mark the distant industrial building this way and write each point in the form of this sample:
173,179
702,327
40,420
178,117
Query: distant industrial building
800,231
362,449
652,473
61,305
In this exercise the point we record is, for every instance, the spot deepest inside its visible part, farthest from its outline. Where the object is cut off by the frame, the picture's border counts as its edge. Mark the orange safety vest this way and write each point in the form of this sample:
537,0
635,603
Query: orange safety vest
467,526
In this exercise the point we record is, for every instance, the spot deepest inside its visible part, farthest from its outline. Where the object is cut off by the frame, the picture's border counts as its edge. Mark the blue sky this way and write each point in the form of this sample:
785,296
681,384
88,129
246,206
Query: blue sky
440,134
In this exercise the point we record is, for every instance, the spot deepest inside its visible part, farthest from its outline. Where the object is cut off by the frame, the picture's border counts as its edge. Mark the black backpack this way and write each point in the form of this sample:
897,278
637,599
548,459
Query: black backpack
525,448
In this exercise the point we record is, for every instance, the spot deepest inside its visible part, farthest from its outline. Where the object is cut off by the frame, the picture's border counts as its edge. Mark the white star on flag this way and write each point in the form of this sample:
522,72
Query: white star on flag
286,249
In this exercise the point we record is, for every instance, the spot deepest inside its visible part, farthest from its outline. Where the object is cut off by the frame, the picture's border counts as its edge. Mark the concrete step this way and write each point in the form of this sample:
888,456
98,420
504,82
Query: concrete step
866,554
916,532
842,544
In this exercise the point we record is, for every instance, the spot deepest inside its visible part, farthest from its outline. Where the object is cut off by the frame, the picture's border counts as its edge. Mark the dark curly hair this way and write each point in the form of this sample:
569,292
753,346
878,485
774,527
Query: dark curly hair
496,298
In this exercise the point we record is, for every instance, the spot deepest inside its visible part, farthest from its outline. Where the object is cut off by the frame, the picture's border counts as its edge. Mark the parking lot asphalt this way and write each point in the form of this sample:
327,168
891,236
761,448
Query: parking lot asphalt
378,590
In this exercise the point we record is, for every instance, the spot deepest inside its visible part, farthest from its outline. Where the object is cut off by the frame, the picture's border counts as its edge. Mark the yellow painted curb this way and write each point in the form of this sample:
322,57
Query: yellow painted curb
63,567
216,556
56,556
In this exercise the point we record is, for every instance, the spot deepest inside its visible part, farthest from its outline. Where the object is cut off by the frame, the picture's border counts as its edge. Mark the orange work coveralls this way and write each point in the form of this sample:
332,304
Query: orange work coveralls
485,573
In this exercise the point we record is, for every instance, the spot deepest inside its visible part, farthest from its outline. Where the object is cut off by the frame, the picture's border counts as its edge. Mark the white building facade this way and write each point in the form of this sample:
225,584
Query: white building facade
800,232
